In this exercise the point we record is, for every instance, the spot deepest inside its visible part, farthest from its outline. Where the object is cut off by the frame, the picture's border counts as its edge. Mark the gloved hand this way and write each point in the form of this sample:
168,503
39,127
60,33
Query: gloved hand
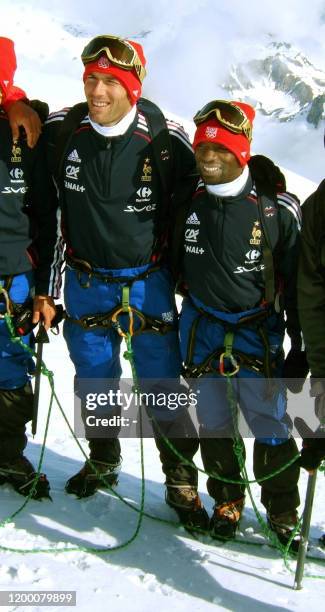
312,452
320,407
313,445
295,370
317,390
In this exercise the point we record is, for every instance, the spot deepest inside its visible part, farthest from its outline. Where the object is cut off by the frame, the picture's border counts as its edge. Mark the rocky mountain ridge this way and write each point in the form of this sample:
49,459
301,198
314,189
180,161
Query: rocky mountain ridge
282,82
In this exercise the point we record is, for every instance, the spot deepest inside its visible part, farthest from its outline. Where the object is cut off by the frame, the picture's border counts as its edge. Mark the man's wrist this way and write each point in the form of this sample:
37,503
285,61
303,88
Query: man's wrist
17,95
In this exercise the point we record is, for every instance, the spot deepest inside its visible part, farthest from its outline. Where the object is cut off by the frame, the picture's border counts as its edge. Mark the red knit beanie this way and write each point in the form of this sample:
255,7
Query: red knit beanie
8,64
212,130
128,78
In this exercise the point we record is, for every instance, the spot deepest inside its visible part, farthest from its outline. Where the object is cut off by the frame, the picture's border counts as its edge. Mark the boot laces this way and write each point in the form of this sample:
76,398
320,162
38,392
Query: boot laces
105,469
229,511
184,497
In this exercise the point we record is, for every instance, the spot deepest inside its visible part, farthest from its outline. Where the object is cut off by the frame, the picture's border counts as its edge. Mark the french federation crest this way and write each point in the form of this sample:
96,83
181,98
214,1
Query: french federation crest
211,132
256,234
16,154
103,62
147,170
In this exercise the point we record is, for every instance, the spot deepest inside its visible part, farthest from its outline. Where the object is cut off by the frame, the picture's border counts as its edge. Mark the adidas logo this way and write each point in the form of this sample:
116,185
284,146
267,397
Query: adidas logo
73,156
193,220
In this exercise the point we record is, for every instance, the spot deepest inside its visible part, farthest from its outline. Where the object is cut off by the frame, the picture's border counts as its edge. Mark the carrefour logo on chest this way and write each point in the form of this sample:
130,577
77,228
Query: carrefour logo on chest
144,194
253,255
16,175
17,182
143,202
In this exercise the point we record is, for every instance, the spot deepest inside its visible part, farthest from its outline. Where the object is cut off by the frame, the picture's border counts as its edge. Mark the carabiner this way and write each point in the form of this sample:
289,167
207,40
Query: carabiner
233,363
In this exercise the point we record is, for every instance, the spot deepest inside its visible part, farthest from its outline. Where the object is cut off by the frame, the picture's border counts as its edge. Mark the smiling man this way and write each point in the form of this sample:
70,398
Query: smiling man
239,255
118,177
108,100
216,164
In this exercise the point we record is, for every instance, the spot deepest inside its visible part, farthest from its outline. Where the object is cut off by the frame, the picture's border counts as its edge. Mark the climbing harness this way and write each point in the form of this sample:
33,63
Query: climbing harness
221,358
111,319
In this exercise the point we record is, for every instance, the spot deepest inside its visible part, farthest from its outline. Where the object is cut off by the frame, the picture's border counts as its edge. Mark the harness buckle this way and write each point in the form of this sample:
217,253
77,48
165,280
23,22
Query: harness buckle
92,321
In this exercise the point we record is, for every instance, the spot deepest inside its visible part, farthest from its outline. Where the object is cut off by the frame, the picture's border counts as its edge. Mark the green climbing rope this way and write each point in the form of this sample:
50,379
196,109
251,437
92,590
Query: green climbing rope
130,357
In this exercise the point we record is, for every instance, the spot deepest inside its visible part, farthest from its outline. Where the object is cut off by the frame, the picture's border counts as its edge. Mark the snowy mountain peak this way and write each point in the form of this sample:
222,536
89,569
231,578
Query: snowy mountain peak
282,82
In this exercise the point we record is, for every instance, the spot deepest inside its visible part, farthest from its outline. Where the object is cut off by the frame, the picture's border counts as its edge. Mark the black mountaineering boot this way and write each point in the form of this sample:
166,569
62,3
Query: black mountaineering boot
21,474
188,505
225,519
86,482
284,525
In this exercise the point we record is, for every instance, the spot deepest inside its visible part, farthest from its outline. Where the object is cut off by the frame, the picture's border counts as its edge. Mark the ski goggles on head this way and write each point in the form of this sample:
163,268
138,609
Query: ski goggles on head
228,114
120,52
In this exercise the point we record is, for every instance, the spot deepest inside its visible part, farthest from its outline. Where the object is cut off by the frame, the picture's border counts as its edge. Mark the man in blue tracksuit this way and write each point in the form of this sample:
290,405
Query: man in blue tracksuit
26,241
114,213
228,322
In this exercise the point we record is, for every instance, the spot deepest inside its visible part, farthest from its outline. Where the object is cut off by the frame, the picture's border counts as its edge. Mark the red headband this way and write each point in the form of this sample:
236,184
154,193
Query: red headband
212,130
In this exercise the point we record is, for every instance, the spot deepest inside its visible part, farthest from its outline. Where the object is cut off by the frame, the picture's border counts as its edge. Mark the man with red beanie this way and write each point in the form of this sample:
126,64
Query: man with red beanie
27,221
13,99
115,199
239,247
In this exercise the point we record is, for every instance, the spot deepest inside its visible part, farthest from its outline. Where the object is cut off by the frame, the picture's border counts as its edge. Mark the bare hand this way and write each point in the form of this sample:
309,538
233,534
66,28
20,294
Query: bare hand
43,310
22,115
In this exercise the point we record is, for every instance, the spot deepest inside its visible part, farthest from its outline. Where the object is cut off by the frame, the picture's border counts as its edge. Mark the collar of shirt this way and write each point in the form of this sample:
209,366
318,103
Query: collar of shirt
232,189
111,131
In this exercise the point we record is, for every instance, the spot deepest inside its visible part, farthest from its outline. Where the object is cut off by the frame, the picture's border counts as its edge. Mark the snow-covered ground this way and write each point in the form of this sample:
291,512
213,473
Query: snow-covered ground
163,568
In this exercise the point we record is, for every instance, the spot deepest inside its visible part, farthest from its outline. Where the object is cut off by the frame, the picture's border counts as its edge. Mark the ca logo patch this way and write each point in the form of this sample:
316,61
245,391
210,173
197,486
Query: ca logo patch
72,172
191,235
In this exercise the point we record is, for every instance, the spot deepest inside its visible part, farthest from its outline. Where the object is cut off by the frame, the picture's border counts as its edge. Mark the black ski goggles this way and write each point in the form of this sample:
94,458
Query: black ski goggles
228,114
120,52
